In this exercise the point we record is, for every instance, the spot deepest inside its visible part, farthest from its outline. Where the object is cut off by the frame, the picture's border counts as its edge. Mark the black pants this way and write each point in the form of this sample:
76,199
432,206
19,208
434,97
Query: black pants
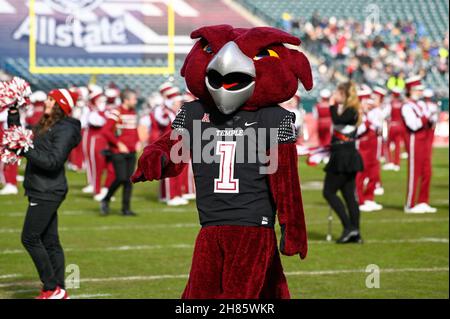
123,168
41,240
345,183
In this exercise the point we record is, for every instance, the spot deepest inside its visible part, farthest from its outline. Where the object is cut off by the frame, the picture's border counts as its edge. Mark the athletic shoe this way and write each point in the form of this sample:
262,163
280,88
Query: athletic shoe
9,189
177,201
378,191
88,189
370,206
104,208
415,210
20,178
99,197
365,208
357,239
188,196
374,205
404,155
427,208
347,236
58,293
128,212
391,167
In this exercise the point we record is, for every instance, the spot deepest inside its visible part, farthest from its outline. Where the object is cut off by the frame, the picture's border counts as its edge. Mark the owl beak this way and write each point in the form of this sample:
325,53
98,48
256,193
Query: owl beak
230,78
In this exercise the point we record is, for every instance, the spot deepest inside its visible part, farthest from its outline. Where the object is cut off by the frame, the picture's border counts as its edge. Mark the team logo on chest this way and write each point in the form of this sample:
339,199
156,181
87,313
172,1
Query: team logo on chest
205,118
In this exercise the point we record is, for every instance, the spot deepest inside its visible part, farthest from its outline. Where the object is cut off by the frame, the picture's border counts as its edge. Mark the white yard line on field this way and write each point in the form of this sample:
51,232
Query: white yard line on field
10,276
293,273
92,213
195,225
394,241
107,228
187,246
350,271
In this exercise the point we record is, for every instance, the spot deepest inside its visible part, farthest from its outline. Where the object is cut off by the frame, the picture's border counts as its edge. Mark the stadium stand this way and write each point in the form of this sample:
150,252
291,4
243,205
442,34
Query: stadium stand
371,37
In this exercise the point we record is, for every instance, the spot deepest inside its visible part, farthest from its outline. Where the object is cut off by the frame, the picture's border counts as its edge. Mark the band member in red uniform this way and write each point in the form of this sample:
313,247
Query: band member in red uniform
368,132
97,144
322,114
36,109
121,133
171,189
378,96
397,131
419,123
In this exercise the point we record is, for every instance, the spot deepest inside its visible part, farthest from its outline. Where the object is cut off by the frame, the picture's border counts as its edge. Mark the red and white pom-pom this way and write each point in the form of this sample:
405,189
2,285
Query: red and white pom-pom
16,141
16,90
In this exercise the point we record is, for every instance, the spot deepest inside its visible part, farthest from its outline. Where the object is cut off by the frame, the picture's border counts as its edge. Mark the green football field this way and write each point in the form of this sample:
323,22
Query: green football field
149,256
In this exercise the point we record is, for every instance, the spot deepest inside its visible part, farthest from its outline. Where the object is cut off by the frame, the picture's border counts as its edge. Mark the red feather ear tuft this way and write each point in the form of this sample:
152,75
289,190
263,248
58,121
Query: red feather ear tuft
188,57
302,68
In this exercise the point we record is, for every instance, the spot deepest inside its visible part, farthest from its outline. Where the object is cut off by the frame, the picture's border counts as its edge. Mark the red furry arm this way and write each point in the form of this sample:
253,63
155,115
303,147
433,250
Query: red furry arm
155,162
285,188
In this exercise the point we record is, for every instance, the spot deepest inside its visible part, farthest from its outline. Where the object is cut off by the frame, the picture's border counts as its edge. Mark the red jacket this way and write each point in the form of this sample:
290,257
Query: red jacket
121,126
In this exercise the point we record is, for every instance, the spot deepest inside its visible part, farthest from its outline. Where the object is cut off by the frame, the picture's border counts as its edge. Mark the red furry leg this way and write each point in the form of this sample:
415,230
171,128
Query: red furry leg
205,278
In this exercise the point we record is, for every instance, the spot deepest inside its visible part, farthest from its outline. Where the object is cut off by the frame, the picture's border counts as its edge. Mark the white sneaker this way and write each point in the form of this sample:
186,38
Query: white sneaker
365,208
188,196
427,208
389,167
9,189
88,189
177,201
415,210
58,294
99,197
396,168
404,155
374,205
20,178
379,191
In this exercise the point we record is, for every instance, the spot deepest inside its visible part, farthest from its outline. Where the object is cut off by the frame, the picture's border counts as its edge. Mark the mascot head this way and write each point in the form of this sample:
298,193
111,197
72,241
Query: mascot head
236,68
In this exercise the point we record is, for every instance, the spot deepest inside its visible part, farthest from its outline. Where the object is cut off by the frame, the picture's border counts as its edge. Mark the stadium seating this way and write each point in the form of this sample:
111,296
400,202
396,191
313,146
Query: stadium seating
433,14
430,15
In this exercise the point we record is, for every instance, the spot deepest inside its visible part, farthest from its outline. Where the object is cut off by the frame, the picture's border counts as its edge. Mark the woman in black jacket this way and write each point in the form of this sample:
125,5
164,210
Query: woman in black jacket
345,161
46,187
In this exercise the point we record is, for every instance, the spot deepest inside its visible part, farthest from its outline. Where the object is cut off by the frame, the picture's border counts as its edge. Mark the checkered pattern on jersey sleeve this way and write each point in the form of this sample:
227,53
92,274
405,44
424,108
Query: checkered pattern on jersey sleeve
179,123
286,129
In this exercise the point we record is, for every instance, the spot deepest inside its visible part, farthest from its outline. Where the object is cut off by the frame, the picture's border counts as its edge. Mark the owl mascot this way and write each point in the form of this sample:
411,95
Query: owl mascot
242,147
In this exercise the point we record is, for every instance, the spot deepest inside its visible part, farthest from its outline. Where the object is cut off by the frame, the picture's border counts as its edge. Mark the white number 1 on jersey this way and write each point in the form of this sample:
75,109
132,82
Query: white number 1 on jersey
226,183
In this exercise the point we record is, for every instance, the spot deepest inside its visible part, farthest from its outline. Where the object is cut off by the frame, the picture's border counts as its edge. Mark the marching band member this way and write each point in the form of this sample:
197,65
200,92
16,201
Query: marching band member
36,109
379,95
419,122
321,112
171,190
397,131
368,132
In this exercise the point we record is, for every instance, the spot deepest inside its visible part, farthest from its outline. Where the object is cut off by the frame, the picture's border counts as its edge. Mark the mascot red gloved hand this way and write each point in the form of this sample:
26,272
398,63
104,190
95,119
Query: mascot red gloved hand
239,77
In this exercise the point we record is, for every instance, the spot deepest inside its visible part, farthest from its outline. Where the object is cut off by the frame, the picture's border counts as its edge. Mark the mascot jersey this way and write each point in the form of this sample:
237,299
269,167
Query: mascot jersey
230,191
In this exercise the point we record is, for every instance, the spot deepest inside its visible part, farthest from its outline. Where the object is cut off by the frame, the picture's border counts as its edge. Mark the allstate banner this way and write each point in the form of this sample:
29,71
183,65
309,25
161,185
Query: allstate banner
135,29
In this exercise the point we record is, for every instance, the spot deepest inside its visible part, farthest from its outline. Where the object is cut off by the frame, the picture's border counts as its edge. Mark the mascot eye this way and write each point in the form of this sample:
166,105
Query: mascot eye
266,53
207,49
